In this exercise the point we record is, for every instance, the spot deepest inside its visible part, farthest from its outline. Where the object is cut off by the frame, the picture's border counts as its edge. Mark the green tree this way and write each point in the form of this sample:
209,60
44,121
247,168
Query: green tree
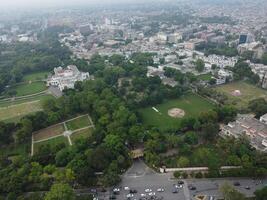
183,161
261,194
200,65
60,191
230,193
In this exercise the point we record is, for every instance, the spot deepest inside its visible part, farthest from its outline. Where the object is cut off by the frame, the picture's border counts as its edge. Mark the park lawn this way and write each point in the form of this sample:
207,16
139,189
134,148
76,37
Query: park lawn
192,104
78,123
13,111
19,110
48,132
29,88
205,77
36,76
41,97
85,133
52,142
248,93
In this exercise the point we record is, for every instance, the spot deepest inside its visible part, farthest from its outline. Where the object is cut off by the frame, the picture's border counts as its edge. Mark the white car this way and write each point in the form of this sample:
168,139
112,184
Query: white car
148,190
116,189
143,195
152,194
160,190
178,186
126,188
129,195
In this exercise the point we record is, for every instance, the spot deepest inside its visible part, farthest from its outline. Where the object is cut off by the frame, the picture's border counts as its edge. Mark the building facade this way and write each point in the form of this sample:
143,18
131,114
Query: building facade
66,78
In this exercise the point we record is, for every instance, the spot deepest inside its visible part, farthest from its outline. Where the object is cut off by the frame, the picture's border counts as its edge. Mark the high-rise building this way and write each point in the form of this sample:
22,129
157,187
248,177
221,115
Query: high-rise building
245,38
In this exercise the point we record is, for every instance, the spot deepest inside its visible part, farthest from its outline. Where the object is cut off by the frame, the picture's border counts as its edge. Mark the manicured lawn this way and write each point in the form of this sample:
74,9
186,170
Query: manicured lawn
192,104
248,93
29,88
86,133
41,97
49,132
51,142
37,76
205,77
78,123
19,110
11,111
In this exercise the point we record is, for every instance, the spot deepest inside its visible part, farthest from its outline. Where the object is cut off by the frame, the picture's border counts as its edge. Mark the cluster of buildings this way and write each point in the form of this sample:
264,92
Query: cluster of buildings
247,126
159,72
66,78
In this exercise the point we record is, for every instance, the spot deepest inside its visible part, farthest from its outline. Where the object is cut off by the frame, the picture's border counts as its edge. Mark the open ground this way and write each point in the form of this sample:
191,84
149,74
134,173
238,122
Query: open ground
191,104
12,110
66,132
248,93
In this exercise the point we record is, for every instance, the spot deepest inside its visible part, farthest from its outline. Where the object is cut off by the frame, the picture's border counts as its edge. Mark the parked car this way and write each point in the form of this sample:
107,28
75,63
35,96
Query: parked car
191,187
133,191
247,187
148,190
160,190
237,183
129,195
174,190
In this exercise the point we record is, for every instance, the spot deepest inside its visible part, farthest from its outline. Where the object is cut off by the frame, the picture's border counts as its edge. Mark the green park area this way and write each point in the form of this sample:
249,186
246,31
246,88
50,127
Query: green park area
85,133
191,104
241,93
81,127
78,123
13,110
37,76
28,88
205,77
52,142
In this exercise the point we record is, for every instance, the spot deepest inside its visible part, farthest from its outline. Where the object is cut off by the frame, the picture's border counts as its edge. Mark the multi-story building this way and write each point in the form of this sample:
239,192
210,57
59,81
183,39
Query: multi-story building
246,125
66,78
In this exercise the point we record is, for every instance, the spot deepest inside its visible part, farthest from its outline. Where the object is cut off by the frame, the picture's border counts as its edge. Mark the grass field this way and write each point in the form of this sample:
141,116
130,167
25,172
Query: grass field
37,76
19,110
248,93
51,142
78,123
192,104
204,77
41,97
49,132
29,88
54,134
12,111
85,133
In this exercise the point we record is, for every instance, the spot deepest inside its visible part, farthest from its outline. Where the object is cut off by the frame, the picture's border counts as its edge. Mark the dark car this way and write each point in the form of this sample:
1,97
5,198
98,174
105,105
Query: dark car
174,190
191,187
180,182
133,191
247,188
112,197
236,183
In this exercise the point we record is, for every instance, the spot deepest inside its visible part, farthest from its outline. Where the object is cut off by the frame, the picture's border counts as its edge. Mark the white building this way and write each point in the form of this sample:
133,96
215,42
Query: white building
66,78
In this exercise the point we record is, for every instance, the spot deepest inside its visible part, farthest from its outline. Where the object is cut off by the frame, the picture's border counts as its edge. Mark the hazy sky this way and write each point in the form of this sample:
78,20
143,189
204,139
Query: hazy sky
42,3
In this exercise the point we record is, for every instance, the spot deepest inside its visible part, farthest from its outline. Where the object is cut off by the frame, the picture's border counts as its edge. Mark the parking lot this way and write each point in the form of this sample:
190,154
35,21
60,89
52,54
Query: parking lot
140,178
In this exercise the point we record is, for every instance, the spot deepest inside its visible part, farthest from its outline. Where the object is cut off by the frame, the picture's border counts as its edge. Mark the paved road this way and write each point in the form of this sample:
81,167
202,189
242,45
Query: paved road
139,177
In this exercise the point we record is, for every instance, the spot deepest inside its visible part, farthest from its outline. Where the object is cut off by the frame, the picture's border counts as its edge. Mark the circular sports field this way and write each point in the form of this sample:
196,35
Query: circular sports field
176,113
